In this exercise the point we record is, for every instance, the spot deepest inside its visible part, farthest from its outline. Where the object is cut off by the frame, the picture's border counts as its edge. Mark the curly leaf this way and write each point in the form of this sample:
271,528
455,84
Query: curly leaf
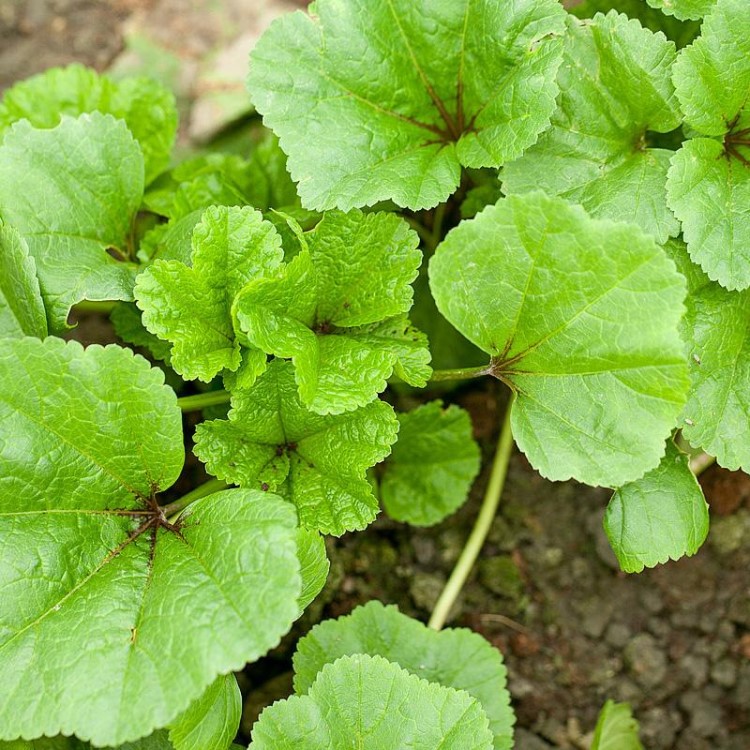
330,310
147,108
428,475
615,84
273,441
104,601
684,9
709,181
192,307
398,97
616,729
21,306
661,517
82,186
455,658
581,318
365,701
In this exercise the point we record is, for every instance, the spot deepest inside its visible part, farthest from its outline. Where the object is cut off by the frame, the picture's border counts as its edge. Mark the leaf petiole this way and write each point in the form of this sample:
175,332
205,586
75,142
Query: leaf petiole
202,400
460,373
476,539
202,490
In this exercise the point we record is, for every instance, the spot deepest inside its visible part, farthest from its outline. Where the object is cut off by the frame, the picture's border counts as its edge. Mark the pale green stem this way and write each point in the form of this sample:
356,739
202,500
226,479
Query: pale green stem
701,462
90,306
202,490
482,526
461,373
202,400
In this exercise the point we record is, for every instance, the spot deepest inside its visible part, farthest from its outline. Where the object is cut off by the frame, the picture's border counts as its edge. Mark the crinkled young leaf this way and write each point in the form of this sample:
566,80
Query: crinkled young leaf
455,658
272,441
337,310
364,701
680,32
616,729
398,96
430,470
191,307
128,325
581,319
72,193
615,84
21,306
109,616
212,720
662,516
684,9
147,108
709,181
716,328
314,565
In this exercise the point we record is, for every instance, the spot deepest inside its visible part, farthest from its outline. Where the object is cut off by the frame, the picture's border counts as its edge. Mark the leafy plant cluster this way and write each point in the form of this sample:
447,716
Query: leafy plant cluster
496,189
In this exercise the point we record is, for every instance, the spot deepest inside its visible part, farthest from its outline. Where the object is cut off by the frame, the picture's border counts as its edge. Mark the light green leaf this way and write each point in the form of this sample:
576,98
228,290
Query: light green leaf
109,611
126,319
716,328
616,729
21,306
684,9
157,741
147,108
428,475
337,311
398,97
581,319
455,658
212,720
661,517
709,181
192,307
615,84
72,193
680,32
273,442
365,701
314,565
170,241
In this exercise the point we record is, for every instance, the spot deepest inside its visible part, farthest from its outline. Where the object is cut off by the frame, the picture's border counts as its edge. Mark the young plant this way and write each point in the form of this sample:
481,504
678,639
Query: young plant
576,187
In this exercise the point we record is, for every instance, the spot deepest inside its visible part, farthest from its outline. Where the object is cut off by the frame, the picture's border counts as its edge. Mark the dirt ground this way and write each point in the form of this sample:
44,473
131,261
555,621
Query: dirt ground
674,641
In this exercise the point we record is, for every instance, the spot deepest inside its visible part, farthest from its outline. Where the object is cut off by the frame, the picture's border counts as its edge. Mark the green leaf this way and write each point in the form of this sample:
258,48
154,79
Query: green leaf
272,441
581,319
109,611
212,720
147,108
314,565
21,306
455,658
397,98
716,328
661,517
709,181
170,241
365,701
192,307
433,464
684,9
680,32
82,183
616,729
615,84
337,310
126,319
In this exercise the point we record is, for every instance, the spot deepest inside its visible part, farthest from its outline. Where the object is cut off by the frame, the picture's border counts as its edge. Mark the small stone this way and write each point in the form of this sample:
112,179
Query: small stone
659,727
652,601
658,626
501,576
706,719
527,741
739,609
683,619
618,634
646,660
724,673
696,668
595,616
425,589
424,549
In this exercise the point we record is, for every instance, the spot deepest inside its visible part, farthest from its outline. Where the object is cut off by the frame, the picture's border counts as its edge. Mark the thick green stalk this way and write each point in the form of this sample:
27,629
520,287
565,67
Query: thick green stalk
460,373
476,539
207,488
202,400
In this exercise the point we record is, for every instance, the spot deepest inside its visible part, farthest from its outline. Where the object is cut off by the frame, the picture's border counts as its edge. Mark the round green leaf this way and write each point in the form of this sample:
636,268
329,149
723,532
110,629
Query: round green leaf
397,97
683,9
72,193
430,470
365,701
661,517
581,319
455,658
